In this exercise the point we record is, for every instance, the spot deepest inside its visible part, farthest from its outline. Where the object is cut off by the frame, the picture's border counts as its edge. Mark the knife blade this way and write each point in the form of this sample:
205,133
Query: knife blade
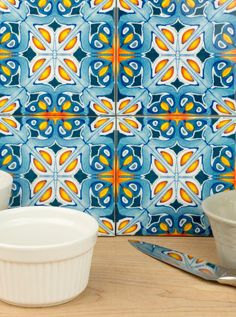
188,263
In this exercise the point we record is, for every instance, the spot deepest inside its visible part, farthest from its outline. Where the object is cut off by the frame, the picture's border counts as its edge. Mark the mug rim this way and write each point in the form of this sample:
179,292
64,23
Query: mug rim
210,214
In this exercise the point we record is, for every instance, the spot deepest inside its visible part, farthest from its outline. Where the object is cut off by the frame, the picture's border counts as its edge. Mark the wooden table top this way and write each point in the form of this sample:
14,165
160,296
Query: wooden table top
125,282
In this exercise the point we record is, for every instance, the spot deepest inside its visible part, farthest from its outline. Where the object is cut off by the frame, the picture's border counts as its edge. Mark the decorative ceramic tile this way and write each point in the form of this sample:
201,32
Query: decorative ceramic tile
177,57
61,162
55,50
166,168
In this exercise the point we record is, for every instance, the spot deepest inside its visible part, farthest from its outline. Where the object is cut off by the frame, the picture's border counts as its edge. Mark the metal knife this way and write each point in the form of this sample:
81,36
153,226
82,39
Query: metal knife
188,263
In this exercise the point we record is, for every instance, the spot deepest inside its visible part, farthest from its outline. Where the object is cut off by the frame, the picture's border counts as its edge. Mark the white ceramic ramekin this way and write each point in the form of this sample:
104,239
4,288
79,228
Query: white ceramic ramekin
45,254
5,189
221,211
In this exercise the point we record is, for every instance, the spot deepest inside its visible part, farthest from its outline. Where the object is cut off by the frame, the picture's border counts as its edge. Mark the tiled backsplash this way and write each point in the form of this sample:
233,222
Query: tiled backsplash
123,110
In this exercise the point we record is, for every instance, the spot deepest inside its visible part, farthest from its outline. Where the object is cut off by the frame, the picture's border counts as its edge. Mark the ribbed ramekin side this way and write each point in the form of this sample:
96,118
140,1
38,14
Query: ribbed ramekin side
44,283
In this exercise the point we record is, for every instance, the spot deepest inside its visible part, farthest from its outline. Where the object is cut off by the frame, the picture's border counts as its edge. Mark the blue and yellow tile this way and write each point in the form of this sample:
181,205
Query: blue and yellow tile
177,56
56,49
61,161
167,167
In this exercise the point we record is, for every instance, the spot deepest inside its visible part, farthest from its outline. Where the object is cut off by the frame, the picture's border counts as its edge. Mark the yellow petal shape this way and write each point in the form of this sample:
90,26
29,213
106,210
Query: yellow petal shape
132,122
45,34
194,44
42,105
191,3
10,122
108,5
108,224
43,126
39,63
64,35
225,161
189,106
167,196
38,44
128,38
39,186
39,166
124,128
230,104
227,38
46,195
189,126
3,102
124,103
103,160
64,157
108,127
124,5
3,6
71,166
65,195
230,128
161,44
161,65
165,3
165,126
169,35
42,3
165,106
71,65
45,74
99,109
103,192
3,128
6,37
164,227
107,104
103,38
71,186
6,70
226,71
159,187
128,71
128,192
128,160
46,156
185,196
185,158
194,65
63,73
100,122
131,229
71,44
67,3
186,74
168,158
192,187
7,160
193,167
66,105
232,5
103,71
67,126
186,36
168,74
9,108
160,166
187,227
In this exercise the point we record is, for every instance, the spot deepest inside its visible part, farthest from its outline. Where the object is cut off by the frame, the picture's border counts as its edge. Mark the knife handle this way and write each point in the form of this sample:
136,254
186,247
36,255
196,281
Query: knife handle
227,280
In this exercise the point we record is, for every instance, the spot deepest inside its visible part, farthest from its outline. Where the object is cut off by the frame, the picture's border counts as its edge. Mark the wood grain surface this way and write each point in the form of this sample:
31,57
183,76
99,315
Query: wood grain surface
124,282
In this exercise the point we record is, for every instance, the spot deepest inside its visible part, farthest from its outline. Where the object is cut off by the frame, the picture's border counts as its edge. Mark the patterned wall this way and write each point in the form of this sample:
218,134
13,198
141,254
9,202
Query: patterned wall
123,110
